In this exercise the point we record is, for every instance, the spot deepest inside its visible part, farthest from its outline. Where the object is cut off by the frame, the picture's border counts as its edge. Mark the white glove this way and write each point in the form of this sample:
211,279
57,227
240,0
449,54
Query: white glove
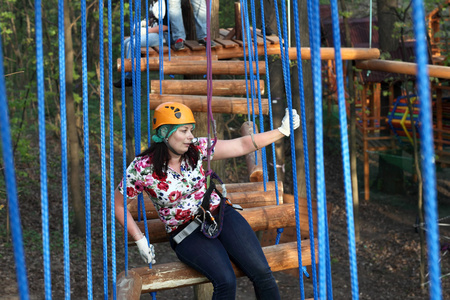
285,124
147,252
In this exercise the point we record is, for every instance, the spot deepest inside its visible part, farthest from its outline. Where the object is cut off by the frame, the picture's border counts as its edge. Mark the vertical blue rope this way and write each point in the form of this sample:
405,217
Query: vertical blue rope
86,149
124,141
258,94
305,146
64,183
269,100
243,29
345,149
42,150
427,147
103,151
111,154
148,73
11,187
314,25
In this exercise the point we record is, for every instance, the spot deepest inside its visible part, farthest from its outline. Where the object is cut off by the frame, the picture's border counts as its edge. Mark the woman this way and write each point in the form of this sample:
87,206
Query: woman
171,172
152,35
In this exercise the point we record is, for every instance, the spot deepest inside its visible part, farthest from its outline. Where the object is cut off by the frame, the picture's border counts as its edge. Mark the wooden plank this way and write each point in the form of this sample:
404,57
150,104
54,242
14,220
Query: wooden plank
259,218
177,274
230,105
402,68
129,287
194,45
199,87
245,198
154,61
220,67
226,43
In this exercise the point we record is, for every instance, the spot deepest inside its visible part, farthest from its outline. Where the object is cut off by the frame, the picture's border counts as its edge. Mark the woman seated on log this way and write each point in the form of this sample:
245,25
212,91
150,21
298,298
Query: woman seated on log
152,35
171,172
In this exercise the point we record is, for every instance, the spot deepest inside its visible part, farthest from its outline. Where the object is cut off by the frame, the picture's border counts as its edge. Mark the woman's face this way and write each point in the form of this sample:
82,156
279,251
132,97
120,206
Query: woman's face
182,138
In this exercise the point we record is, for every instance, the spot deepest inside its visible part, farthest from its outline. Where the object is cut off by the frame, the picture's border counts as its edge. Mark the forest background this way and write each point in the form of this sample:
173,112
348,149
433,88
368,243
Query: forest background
18,40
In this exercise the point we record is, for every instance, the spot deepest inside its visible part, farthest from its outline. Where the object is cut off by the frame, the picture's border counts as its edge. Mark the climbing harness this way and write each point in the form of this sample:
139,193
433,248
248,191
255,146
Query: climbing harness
210,222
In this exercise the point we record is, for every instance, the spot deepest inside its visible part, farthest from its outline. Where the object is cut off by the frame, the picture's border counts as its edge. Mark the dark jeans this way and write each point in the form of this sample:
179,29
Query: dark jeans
237,242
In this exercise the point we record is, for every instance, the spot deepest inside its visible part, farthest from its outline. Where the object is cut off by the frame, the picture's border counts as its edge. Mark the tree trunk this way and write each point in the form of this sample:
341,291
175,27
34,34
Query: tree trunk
309,108
74,146
351,92
386,25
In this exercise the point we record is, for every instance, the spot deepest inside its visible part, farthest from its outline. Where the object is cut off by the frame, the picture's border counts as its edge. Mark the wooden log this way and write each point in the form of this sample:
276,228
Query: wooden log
198,67
229,105
155,61
255,171
199,87
402,68
129,287
245,198
259,218
326,53
177,274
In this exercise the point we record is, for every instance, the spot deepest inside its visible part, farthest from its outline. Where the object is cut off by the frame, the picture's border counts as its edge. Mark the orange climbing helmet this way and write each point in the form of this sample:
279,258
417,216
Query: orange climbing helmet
172,113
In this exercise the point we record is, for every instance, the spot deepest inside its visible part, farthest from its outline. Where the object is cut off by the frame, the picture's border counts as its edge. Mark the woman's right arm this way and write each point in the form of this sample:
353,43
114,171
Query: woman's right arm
132,227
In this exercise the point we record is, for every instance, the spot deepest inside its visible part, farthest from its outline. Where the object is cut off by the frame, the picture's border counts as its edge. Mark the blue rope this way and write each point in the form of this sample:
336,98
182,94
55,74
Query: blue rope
111,154
345,150
11,187
103,152
250,72
86,148
269,100
427,147
42,150
148,73
64,183
243,29
314,25
124,141
258,93
305,146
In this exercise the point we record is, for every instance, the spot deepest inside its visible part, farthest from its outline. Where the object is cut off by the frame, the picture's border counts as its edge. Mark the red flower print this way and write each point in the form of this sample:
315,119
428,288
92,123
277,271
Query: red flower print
131,192
164,211
182,214
139,185
198,195
173,196
152,193
160,178
163,186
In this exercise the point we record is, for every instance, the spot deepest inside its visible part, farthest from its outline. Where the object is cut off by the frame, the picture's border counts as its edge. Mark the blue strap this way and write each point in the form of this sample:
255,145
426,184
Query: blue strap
427,147
11,187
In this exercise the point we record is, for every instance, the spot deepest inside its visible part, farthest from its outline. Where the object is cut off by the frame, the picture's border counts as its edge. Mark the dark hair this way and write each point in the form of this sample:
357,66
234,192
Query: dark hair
159,157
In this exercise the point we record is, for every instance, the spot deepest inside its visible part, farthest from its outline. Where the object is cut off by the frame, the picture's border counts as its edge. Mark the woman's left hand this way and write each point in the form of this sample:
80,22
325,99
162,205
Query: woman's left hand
285,127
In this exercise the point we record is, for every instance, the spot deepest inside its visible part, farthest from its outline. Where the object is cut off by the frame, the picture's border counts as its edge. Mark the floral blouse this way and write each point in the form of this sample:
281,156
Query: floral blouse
175,196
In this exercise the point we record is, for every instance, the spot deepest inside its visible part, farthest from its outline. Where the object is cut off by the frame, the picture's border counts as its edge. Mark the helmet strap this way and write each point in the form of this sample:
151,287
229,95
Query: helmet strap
166,141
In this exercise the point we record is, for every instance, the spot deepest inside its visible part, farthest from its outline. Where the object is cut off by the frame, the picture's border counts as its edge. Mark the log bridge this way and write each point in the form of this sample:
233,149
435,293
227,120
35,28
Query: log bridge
262,213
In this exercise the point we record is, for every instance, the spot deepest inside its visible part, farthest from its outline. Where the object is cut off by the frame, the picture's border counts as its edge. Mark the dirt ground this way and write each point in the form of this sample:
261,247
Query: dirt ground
387,255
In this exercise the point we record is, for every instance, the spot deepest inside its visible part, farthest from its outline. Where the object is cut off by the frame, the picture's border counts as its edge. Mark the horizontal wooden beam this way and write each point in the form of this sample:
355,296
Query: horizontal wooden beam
259,218
402,68
199,87
177,274
326,53
199,67
245,194
229,105
154,61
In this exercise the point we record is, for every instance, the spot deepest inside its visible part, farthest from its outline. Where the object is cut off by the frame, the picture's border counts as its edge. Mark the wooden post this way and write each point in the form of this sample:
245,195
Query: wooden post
237,21
254,163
